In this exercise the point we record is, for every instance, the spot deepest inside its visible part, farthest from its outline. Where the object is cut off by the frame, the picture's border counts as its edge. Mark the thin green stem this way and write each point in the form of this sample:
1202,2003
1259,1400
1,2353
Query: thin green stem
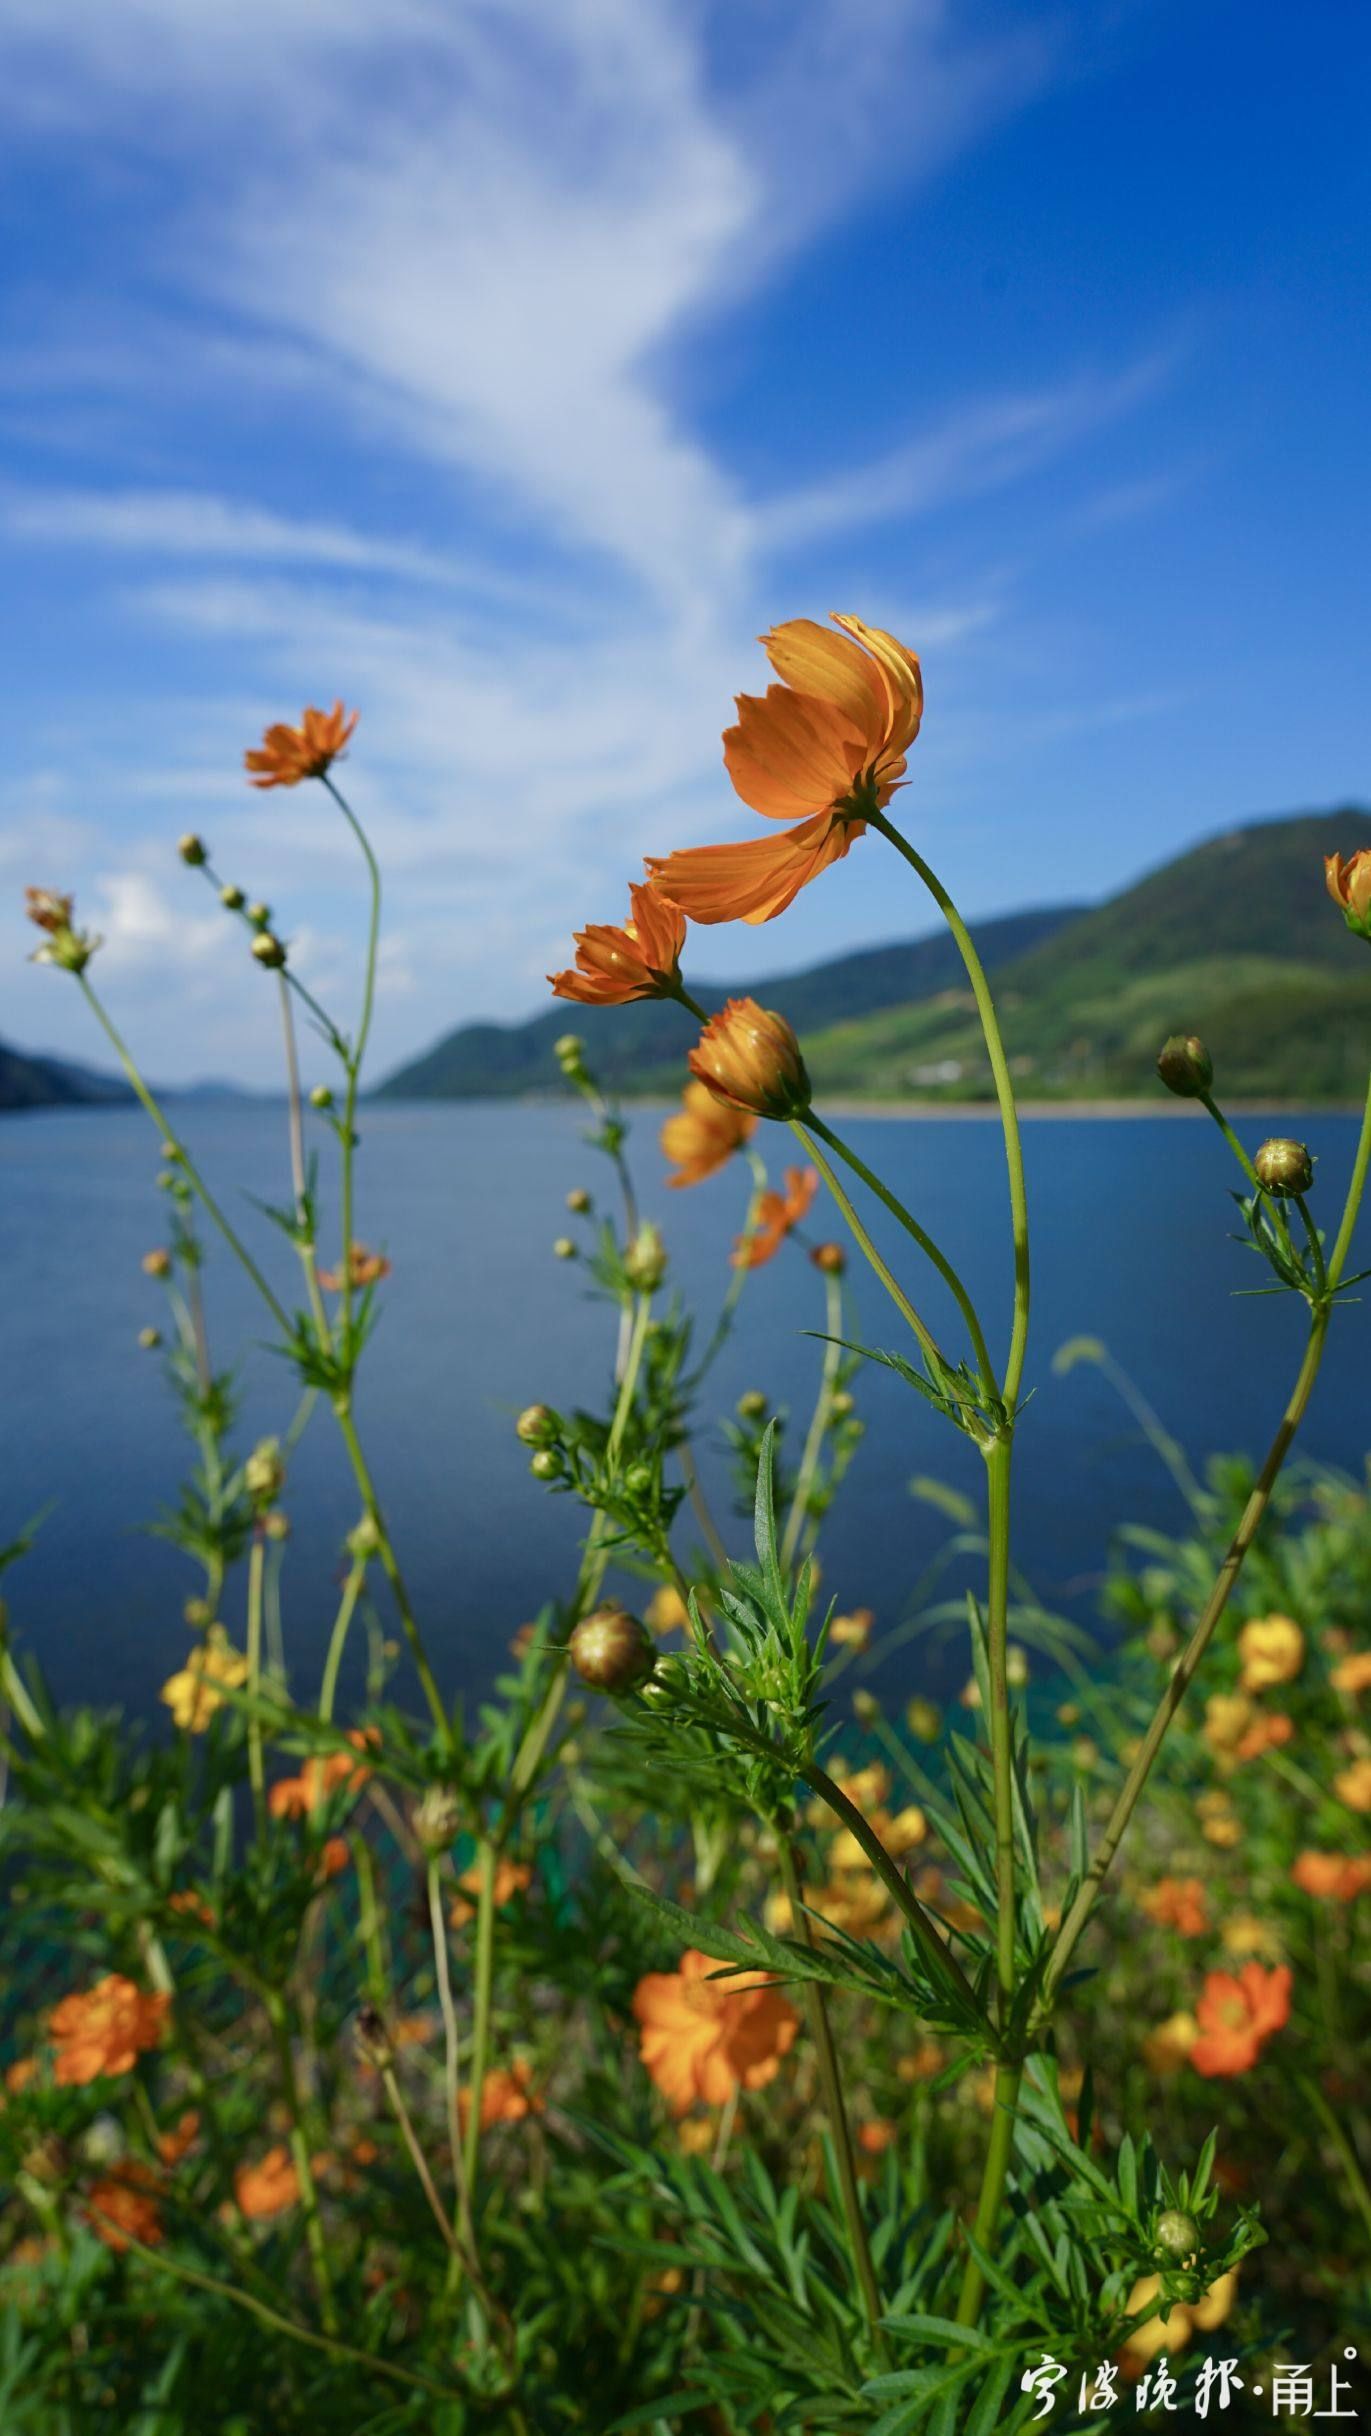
835,2108
1272,1207
1076,1918
925,1243
390,1564
1337,1258
1347,2155
819,1421
892,1877
1004,1093
352,1591
998,2153
315,2240
481,2004
927,1342
184,1160
256,1769
295,1120
741,1273
462,2218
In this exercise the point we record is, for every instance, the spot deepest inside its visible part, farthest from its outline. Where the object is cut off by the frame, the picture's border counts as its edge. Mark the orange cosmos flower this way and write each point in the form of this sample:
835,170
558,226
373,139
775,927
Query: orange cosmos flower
1353,1674
1332,1876
105,2030
1265,1734
703,1134
702,2038
192,1906
511,1878
123,2207
827,744
177,2143
776,1215
288,754
364,1269
269,2187
1237,2016
749,1057
296,1797
506,2097
1353,1785
1178,1903
642,960
1349,885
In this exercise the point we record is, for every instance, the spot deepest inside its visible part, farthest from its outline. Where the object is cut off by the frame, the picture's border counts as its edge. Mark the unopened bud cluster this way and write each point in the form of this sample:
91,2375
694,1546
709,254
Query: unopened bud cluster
264,1472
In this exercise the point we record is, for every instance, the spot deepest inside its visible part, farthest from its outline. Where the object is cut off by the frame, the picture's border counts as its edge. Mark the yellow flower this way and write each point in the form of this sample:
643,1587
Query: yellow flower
1245,1934
1272,1651
1227,1716
852,1631
1353,1674
194,1694
667,1611
1173,2332
1353,1785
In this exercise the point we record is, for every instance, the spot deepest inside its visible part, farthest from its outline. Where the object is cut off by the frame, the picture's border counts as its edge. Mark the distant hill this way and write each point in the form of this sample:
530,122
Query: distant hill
640,1048
29,1081
1234,939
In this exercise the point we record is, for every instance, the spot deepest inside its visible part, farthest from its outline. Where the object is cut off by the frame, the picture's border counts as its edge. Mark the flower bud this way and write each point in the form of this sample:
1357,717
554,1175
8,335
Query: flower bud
170,1152
1178,2235
1284,1167
231,898
569,1050
546,1464
276,1525
269,950
198,1614
264,1473
842,1404
578,1200
537,1425
259,915
638,1479
1186,1066
149,1339
157,1263
321,1096
364,1539
923,1719
645,1259
564,1248
866,1708
752,1405
1349,885
437,1818
612,1651
830,1258
748,1057
1015,1667
192,850
371,2039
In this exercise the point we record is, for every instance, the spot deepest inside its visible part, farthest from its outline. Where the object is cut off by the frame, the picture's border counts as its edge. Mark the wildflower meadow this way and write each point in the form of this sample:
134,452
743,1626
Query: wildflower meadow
685,2035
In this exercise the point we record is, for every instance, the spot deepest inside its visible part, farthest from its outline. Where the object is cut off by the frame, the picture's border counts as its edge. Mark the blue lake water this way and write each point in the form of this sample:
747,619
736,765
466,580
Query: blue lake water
1132,1244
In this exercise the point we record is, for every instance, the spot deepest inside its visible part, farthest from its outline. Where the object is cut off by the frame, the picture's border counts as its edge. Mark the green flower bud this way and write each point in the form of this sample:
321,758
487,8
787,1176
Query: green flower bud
537,1425
612,1651
578,1200
638,1479
546,1464
264,1473
363,1540
231,898
321,1096
269,950
149,1339
752,1406
564,1248
437,1818
1284,1167
923,1718
1178,2235
259,915
192,850
842,1404
645,1259
1186,1066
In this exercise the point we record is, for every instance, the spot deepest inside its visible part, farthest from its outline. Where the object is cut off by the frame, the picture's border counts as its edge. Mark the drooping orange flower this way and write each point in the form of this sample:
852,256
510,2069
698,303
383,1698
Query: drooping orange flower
1178,1903
123,2207
1332,1876
1237,2016
288,754
640,960
702,2038
703,1134
749,1057
507,2096
775,1216
1348,877
364,1269
269,2187
104,2030
511,1878
825,748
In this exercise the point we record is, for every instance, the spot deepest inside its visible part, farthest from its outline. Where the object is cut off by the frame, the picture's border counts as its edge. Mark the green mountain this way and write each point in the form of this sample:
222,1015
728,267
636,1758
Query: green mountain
1235,940
640,1048
28,1081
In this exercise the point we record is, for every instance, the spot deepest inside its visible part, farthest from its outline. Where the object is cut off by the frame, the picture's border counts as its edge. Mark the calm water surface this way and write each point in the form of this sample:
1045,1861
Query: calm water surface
1131,1231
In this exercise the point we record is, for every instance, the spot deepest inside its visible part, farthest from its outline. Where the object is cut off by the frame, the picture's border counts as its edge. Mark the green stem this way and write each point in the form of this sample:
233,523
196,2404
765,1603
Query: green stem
390,1565
352,1062
895,1882
296,1122
1074,1923
1337,1259
993,2181
256,1770
315,2240
480,2027
925,1243
830,2083
927,1342
184,1159
352,1591
823,1407
462,2218
1347,2155
1004,1093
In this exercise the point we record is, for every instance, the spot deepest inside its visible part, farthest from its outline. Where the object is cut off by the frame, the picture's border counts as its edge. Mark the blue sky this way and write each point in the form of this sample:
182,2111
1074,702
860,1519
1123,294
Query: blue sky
505,368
